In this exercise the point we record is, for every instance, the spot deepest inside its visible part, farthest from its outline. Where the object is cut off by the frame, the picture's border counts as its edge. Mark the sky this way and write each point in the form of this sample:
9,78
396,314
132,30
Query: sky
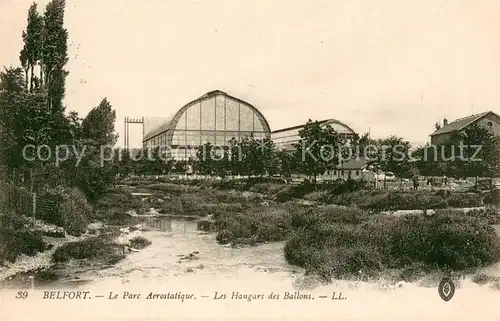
394,68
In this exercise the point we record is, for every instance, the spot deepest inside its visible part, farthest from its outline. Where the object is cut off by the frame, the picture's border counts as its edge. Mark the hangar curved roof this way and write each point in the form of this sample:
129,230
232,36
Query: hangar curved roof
173,119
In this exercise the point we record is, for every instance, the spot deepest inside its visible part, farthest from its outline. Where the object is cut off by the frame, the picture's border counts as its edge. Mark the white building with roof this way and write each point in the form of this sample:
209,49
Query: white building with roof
488,119
285,138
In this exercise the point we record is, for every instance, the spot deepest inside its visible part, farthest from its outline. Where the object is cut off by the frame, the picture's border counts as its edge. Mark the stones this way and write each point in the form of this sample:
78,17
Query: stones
189,257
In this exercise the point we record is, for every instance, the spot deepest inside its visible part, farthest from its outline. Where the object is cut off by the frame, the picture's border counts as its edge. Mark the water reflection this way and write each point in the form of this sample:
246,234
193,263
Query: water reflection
169,224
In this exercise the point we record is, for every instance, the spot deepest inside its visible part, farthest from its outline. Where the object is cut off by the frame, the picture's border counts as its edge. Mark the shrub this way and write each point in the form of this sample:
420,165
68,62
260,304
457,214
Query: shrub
66,208
405,200
237,197
123,201
139,242
11,220
443,241
488,215
317,196
295,191
224,236
325,215
493,197
92,248
170,188
351,185
266,188
464,200
254,225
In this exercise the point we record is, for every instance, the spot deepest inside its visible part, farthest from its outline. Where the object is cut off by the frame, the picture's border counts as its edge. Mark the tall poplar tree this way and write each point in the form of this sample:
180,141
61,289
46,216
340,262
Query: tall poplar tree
31,53
55,54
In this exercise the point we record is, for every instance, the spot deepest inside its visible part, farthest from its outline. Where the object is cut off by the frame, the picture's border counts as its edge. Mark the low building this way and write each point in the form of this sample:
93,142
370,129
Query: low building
489,120
285,138
356,169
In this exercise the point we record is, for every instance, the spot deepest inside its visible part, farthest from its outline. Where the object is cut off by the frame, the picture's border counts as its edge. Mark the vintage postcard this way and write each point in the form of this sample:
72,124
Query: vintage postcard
249,160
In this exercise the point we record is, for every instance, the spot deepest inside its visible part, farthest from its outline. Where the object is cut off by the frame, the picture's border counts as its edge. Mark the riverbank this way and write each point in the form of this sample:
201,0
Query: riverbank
255,216
68,256
166,266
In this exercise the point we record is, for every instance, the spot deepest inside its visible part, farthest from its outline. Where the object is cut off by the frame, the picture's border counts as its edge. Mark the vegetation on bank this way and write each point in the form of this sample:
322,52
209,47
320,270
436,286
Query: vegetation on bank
139,242
334,241
16,238
99,249
67,208
348,193
443,241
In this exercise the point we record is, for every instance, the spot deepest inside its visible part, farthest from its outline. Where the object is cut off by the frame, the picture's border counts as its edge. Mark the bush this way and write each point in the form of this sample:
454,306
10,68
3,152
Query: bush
405,200
487,215
266,188
307,216
170,188
254,225
351,185
139,242
11,220
493,197
444,241
295,191
92,248
122,201
16,242
66,208
464,200
238,197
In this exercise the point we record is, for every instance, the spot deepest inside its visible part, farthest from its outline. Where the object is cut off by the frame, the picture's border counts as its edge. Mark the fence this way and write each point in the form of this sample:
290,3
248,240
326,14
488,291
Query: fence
23,201
17,198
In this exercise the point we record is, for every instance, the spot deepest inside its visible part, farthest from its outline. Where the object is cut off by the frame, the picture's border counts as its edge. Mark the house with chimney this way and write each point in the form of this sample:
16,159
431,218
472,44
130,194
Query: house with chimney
488,120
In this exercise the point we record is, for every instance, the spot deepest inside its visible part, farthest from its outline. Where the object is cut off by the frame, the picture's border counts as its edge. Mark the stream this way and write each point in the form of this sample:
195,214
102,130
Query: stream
213,270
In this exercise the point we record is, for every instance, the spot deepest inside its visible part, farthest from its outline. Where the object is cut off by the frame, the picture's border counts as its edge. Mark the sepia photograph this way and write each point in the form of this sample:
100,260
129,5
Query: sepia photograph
249,160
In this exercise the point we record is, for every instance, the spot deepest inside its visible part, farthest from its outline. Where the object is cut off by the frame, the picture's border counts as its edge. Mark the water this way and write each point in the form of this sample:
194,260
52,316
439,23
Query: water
167,266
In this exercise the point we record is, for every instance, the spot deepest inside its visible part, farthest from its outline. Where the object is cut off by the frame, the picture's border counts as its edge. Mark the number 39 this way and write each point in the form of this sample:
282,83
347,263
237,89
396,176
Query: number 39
22,295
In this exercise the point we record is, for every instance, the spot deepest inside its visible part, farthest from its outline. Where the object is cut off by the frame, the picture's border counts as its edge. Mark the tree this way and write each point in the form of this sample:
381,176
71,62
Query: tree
426,160
259,156
222,164
315,152
476,152
285,163
155,163
55,54
31,53
99,124
97,136
360,144
392,156
235,157
22,119
205,163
